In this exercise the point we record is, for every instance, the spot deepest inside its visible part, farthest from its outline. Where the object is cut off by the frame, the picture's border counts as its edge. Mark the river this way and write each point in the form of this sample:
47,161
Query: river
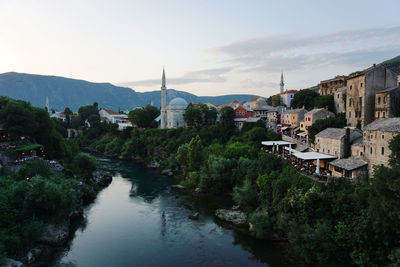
139,220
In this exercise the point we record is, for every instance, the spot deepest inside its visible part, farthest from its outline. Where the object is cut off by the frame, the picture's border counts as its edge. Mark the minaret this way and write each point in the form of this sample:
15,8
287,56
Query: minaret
282,84
47,104
163,114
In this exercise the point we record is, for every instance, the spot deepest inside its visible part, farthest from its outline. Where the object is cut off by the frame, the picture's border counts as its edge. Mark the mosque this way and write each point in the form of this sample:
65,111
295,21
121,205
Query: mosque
171,114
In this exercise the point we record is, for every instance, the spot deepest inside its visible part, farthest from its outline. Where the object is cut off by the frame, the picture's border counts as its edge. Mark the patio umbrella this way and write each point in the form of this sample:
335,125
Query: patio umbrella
317,170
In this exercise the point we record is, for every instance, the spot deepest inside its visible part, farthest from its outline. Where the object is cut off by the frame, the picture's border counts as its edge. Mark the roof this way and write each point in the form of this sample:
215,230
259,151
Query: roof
251,119
264,107
338,133
358,141
315,110
256,98
223,105
288,91
348,164
292,111
342,77
387,125
103,119
111,112
178,101
389,89
235,101
312,156
274,143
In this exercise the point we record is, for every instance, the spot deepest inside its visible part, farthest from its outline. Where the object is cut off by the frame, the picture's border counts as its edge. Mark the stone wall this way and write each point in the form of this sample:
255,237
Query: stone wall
330,146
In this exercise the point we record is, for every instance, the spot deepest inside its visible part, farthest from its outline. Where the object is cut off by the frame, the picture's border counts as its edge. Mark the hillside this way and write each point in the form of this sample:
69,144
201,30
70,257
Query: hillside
65,92
393,64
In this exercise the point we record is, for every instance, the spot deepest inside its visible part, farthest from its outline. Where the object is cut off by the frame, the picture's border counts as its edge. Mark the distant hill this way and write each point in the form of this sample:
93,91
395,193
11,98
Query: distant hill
393,64
65,92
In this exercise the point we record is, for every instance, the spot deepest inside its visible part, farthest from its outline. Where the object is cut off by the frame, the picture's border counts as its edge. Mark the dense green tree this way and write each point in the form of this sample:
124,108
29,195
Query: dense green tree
85,111
84,165
182,156
304,98
246,195
17,119
144,117
276,101
195,154
325,101
68,114
193,115
394,145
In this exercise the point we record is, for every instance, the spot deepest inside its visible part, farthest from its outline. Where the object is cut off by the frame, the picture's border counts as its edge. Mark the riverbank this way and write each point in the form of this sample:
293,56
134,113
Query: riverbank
55,235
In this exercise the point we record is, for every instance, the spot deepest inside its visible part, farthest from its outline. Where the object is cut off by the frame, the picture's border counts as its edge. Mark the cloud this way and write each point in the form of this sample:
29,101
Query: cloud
201,76
293,52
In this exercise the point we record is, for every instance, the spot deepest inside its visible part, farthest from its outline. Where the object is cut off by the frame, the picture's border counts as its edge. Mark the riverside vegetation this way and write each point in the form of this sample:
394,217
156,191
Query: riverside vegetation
340,223
36,196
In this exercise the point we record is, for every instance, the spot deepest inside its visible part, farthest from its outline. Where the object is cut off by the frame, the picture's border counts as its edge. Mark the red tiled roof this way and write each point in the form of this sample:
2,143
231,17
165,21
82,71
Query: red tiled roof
254,99
103,119
235,101
288,91
223,105
111,112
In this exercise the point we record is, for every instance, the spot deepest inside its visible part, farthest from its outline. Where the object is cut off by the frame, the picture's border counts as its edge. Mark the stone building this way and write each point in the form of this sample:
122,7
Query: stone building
257,102
329,87
262,110
339,100
377,136
352,167
387,103
336,141
316,114
361,89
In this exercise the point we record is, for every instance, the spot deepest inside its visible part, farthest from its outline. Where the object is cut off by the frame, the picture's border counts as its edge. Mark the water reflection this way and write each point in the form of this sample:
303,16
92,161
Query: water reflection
140,221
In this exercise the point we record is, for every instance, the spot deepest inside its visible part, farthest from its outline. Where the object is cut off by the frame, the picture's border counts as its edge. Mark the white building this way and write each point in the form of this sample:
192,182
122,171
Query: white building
171,115
115,117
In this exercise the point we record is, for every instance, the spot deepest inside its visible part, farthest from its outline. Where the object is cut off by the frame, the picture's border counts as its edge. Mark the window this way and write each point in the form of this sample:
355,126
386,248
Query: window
351,87
350,102
383,115
383,136
360,153
383,151
378,114
370,150
379,100
361,84
349,114
364,148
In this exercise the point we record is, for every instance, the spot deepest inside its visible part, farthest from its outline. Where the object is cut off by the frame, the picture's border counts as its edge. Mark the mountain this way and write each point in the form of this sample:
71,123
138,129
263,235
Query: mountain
393,64
65,92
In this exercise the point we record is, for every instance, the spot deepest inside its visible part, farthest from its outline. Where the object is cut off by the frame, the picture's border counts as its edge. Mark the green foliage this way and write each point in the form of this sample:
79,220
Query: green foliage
195,154
325,101
394,158
262,225
84,164
34,167
86,111
182,157
304,98
338,122
215,175
276,101
200,114
246,195
144,117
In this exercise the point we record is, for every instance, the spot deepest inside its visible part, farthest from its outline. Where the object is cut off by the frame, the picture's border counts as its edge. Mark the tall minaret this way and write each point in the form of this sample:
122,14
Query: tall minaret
282,84
163,114
47,104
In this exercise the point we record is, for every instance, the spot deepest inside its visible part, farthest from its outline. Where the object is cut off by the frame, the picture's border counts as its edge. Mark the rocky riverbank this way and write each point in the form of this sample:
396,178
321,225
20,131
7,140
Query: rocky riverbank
56,235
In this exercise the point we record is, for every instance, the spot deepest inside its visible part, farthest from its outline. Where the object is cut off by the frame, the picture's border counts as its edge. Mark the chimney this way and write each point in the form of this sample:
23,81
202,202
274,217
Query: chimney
346,152
374,65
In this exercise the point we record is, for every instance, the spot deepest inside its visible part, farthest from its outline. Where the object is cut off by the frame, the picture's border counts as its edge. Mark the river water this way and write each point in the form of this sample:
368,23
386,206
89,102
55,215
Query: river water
139,220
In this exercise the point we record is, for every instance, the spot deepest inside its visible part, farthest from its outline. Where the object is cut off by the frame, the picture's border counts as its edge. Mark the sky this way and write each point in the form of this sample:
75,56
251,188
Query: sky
207,47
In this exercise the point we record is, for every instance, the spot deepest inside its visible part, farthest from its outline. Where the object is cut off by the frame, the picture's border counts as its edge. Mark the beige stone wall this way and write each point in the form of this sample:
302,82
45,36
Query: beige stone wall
329,87
339,103
355,100
382,105
357,151
329,146
376,148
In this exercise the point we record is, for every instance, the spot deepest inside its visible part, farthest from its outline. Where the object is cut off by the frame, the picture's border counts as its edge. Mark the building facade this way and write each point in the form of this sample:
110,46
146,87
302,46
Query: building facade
361,89
336,141
376,139
293,117
340,100
387,103
329,87
316,114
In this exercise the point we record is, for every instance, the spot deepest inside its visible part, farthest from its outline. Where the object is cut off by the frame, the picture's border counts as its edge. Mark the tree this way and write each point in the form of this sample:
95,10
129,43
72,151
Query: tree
394,158
193,115
85,111
17,119
304,98
195,154
68,113
325,101
276,101
182,156
227,114
84,165
144,117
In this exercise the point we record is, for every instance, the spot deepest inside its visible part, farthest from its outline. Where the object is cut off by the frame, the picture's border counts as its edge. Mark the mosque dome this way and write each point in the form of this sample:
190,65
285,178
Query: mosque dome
178,101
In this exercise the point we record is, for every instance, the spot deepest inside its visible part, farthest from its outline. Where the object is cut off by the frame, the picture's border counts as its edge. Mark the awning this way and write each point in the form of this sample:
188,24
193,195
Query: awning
312,156
276,143
302,134
284,128
292,150
296,129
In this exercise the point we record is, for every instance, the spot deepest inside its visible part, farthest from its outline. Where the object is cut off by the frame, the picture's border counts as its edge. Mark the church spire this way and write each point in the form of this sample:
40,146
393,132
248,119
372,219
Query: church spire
282,84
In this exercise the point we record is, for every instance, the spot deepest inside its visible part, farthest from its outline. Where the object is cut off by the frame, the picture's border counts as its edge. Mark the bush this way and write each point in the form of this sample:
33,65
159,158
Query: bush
34,167
83,165
246,195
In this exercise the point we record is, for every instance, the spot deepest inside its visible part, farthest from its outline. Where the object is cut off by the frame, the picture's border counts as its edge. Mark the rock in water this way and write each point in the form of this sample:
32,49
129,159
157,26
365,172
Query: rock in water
179,186
12,263
194,216
235,217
